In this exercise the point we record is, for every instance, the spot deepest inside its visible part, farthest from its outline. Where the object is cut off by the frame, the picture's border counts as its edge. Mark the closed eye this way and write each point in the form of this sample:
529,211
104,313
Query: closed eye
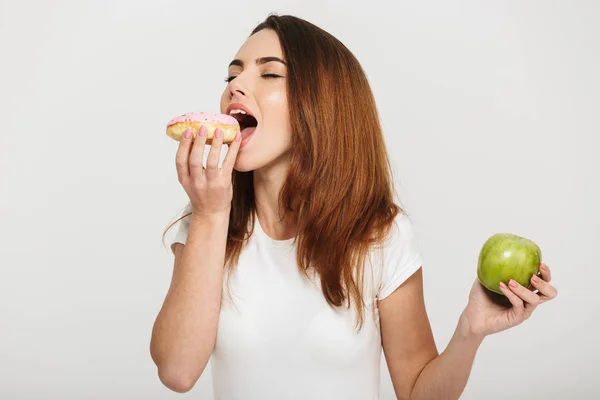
266,76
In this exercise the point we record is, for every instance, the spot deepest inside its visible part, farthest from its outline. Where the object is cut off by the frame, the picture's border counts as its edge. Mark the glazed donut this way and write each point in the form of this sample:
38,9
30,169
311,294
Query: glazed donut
178,125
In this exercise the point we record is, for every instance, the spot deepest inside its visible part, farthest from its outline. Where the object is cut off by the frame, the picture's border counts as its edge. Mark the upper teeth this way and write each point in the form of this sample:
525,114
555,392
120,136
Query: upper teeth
236,111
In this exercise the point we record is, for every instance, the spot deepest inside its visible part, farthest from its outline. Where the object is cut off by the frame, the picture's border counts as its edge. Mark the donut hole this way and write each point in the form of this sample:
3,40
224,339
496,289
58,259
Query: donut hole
246,121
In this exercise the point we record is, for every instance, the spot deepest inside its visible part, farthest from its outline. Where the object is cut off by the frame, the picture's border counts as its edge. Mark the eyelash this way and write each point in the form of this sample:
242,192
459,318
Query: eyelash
267,76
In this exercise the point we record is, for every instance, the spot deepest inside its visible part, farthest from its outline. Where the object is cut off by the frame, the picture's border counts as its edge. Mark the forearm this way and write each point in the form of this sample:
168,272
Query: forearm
185,330
445,377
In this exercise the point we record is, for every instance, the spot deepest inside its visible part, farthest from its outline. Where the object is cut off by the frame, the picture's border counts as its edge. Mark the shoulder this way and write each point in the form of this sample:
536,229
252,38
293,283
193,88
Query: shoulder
402,227
400,255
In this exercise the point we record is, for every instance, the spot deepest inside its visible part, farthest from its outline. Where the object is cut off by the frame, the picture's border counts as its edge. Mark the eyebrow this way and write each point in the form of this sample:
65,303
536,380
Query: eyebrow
259,61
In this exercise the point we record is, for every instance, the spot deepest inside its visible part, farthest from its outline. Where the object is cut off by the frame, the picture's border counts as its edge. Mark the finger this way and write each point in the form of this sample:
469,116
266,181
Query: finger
232,153
212,163
197,153
545,272
531,299
545,289
518,307
182,156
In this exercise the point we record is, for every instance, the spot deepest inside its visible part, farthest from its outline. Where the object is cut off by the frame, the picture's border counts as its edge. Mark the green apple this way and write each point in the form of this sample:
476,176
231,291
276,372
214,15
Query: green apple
505,256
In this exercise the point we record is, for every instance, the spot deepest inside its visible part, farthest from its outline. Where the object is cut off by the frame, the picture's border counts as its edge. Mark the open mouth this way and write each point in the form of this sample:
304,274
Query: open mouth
244,119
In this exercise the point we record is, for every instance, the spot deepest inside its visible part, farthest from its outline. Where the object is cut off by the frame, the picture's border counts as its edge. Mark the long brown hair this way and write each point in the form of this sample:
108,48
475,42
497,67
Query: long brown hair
339,187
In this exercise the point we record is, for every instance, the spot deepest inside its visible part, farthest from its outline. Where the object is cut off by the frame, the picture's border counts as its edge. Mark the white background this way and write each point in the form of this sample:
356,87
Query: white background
488,111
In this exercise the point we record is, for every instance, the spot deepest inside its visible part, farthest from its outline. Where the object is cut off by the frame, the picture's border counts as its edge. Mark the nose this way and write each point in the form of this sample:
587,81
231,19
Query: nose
236,88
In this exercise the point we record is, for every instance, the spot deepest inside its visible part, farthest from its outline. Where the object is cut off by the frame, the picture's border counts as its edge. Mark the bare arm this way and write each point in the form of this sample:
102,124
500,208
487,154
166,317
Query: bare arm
417,370
407,338
445,377
184,333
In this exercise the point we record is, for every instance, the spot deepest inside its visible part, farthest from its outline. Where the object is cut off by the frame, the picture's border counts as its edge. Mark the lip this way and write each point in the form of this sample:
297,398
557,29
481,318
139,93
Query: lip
240,106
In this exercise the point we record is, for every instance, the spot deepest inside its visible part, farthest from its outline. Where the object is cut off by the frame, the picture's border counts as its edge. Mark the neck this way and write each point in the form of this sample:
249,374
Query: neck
267,185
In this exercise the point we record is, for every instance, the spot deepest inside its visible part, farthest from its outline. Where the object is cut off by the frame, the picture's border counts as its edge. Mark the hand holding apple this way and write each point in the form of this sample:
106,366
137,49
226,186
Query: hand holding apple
505,256
516,261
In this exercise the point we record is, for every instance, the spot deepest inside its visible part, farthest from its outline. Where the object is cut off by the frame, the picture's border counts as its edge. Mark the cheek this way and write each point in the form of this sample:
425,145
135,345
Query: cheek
276,99
275,104
224,102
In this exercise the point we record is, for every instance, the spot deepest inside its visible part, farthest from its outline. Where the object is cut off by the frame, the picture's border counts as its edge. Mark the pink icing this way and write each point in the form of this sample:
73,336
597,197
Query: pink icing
204,117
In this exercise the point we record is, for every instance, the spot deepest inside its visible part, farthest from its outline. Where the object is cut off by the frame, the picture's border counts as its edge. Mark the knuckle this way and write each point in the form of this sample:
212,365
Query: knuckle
197,185
519,309
218,184
213,184
198,182
195,162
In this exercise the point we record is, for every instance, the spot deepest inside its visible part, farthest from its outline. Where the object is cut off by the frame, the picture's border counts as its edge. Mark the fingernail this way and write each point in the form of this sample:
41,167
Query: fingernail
202,130
535,278
513,283
218,133
543,266
502,285
188,133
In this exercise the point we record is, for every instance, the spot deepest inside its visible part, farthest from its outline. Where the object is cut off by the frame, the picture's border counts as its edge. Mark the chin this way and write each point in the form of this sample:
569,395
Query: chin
242,169
242,165
252,160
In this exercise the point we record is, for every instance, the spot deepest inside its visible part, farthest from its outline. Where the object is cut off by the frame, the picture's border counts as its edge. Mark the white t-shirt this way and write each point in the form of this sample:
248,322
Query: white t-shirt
279,339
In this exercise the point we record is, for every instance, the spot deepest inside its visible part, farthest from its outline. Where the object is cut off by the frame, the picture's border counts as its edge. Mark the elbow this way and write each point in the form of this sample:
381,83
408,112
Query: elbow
174,376
177,381
176,372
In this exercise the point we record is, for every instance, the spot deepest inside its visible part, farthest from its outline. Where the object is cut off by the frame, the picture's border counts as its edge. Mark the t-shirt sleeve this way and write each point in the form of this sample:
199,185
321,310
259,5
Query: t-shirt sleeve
401,256
180,229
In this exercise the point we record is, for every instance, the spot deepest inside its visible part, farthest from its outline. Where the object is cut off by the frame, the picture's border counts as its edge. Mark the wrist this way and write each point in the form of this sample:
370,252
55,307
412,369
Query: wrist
467,332
211,217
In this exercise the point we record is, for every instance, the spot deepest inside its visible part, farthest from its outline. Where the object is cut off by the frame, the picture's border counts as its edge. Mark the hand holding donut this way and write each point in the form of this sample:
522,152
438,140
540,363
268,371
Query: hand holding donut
228,124
210,189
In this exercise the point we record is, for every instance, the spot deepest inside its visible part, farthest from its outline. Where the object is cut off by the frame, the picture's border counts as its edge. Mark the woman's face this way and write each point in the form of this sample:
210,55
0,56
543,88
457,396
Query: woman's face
258,85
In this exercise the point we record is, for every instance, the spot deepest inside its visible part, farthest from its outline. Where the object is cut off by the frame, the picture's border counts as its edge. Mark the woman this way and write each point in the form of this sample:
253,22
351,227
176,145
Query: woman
299,228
